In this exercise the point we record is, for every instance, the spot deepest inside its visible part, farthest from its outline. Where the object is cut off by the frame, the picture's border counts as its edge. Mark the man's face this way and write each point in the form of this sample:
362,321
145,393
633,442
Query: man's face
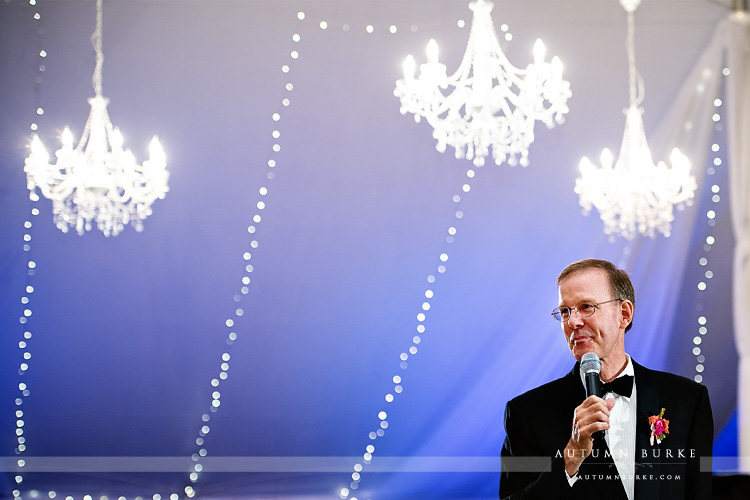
602,333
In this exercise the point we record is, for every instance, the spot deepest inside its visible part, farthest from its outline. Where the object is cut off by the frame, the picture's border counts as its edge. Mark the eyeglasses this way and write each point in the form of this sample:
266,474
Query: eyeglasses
584,310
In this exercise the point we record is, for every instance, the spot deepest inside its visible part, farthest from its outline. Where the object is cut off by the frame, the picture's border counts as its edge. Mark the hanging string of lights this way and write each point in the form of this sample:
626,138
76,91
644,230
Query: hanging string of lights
704,263
231,323
25,319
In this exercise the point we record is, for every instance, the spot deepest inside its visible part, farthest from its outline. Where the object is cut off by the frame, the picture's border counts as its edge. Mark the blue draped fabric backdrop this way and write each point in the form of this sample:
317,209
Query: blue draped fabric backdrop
128,332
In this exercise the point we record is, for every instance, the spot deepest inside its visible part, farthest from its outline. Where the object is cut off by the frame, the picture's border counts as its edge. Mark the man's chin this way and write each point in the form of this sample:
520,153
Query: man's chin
580,348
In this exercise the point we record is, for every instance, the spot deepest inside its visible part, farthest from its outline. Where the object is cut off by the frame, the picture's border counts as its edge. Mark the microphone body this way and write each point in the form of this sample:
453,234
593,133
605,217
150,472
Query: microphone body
593,384
591,367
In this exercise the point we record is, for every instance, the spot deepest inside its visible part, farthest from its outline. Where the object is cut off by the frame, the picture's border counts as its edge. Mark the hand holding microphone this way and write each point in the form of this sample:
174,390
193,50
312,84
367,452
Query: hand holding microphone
591,367
589,415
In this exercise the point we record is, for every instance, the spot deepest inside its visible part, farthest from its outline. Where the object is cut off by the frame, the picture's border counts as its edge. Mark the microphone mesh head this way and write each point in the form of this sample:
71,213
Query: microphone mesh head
590,363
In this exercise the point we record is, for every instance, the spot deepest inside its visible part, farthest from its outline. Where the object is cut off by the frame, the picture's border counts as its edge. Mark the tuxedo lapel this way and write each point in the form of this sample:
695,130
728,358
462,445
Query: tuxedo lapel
574,383
608,484
648,405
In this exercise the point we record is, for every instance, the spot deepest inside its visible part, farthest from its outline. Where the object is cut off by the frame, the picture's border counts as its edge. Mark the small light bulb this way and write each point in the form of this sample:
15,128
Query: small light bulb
539,51
409,68
432,51
67,138
116,140
156,152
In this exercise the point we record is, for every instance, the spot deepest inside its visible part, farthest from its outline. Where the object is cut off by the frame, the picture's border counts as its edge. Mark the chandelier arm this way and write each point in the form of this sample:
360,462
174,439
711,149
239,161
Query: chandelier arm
512,74
446,104
508,68
58,191
463,73
503,102
508,72
464,68
85,134
437,104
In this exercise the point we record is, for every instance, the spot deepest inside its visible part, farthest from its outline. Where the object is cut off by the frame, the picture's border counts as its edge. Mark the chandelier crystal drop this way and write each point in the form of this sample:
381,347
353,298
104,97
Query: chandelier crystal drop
97,180
633,195
492,105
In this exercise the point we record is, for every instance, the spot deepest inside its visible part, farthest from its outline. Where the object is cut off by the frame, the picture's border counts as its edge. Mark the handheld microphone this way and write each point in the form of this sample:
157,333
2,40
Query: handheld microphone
591,367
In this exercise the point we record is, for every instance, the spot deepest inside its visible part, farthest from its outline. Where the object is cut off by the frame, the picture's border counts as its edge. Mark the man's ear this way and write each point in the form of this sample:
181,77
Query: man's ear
626,310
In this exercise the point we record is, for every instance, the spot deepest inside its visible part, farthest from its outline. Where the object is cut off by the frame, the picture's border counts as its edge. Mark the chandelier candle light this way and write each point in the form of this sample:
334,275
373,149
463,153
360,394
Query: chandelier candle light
634,195
97,180
493,104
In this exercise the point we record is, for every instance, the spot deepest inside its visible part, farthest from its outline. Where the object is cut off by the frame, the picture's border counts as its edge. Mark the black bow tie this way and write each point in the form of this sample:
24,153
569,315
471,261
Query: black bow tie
621,385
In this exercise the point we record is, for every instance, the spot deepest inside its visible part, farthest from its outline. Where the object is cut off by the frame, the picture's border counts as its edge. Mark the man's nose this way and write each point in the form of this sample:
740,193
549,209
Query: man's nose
575,320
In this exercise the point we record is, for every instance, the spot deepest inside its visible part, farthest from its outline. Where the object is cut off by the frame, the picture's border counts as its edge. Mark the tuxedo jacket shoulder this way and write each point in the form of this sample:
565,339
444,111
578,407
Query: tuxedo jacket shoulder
546,413
538,424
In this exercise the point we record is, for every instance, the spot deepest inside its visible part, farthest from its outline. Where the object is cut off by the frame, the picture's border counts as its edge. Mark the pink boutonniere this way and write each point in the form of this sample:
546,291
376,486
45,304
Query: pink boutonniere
659,427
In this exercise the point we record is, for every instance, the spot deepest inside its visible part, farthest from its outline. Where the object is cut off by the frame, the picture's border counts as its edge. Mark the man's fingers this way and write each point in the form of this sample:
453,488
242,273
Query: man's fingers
591,416
595,403
589,427
590,401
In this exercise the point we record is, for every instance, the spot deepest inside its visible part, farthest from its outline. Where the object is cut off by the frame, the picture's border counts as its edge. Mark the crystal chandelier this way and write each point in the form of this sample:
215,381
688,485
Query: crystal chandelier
634,195
493,104
97,180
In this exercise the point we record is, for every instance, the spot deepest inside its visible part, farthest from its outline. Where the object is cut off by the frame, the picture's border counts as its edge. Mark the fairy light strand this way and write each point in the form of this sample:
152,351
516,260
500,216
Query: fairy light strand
703,261
231,322
382,417
24,344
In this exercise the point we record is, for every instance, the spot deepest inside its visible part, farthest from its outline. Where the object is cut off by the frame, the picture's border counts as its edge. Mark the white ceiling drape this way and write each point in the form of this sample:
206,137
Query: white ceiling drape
736,32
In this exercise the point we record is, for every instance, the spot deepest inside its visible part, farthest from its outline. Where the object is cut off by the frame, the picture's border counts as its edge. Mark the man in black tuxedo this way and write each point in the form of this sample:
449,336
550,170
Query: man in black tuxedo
657,427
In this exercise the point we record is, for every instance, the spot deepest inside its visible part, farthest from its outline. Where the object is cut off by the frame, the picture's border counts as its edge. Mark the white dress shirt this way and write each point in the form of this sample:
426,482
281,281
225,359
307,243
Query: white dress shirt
620,436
